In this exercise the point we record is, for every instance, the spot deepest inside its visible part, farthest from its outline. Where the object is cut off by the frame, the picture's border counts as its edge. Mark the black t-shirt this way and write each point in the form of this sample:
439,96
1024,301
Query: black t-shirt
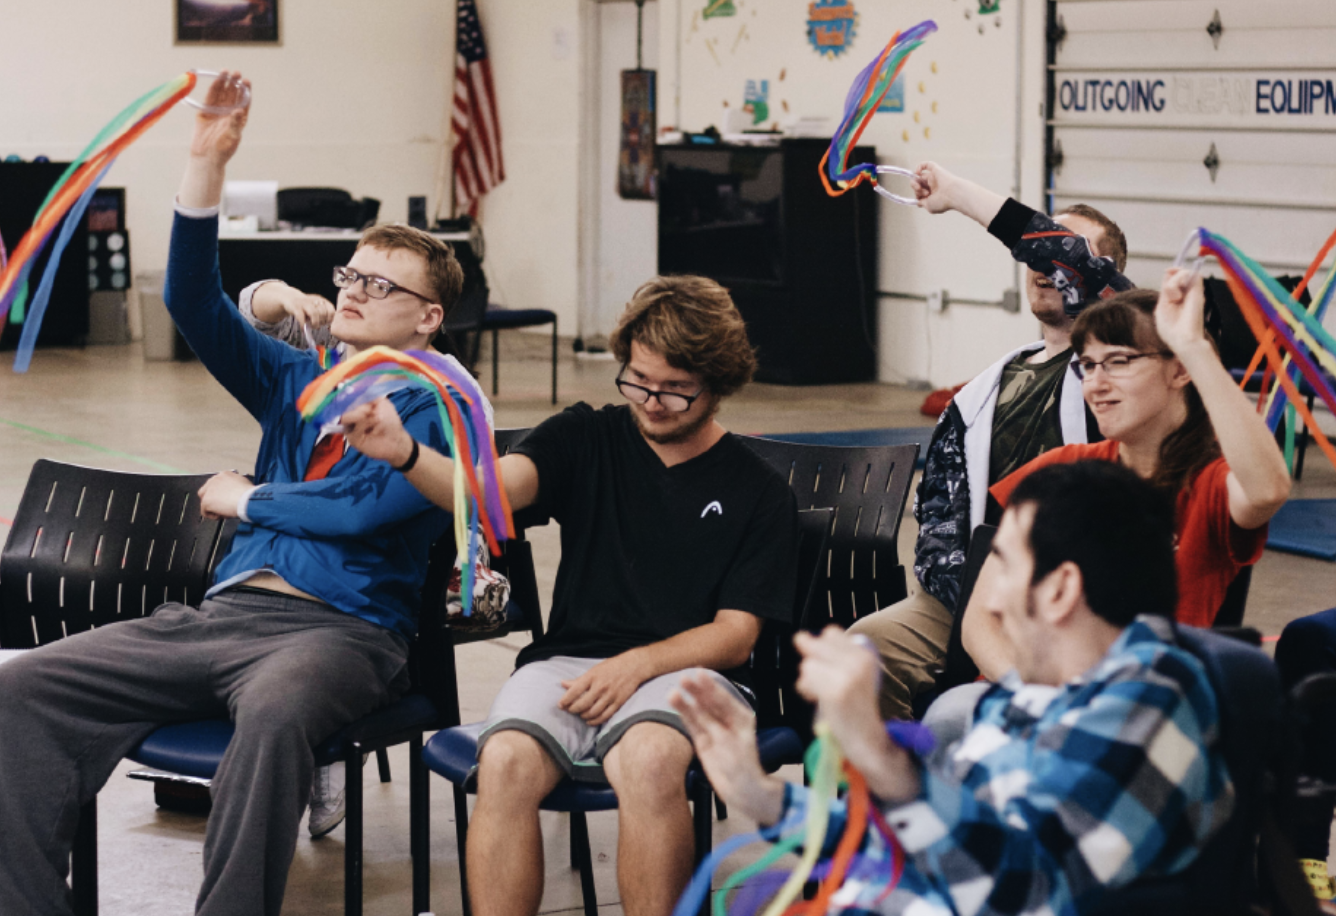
648,551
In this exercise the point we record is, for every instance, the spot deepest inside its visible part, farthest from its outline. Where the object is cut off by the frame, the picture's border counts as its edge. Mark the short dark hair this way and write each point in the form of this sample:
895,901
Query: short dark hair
1116,528
1114,244
693,324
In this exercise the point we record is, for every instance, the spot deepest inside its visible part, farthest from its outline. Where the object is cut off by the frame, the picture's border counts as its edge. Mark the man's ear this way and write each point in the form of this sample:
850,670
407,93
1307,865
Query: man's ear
431,322
1062,591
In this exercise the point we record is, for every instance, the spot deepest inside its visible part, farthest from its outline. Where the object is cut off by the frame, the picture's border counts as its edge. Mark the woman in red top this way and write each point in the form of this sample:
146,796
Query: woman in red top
1171,412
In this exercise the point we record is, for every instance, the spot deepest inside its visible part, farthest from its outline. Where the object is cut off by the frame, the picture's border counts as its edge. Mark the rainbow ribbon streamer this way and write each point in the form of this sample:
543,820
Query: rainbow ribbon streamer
860,105
1291,338
829,773
480,498
68,200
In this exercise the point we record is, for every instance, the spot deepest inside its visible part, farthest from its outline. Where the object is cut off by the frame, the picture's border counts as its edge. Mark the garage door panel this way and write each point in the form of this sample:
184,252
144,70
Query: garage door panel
1134,33
1270,235
1253,168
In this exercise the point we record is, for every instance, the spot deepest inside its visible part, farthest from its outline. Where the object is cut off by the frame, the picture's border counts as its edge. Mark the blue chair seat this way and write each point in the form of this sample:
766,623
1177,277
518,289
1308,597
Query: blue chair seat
503,319
196,748
189,748
453,753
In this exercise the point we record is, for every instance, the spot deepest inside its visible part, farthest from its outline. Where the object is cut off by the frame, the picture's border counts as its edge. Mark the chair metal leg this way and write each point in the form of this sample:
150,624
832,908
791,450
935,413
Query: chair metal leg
701,810
352,849
575,845
383,764
461,844
580,836
83,862
720,809
419,825
496,361
554,361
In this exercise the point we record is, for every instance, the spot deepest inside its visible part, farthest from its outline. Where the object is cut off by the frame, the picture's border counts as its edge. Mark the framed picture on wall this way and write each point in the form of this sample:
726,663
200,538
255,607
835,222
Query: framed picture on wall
226,21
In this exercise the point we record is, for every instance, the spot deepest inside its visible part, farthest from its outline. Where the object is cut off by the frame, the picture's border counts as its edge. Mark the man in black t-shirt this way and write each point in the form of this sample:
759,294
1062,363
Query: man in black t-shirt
677,543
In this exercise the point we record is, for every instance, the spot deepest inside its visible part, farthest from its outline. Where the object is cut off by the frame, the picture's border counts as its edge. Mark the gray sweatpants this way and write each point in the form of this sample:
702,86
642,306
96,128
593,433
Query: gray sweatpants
288,672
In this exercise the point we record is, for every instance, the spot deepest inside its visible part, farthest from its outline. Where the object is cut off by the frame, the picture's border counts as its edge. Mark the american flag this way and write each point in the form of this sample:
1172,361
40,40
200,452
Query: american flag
477,162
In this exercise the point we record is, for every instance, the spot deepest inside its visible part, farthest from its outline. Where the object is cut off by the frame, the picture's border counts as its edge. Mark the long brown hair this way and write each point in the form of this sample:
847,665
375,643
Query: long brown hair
1128,320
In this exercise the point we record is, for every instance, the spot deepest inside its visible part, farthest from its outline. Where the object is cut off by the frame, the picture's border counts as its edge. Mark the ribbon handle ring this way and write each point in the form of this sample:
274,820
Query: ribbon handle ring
895,170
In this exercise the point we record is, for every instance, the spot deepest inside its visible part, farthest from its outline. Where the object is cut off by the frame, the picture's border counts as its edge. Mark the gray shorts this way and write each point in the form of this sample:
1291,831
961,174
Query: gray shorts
528,703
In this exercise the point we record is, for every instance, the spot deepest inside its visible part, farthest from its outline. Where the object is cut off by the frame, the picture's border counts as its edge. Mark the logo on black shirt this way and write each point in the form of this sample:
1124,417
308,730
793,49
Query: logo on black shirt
712,507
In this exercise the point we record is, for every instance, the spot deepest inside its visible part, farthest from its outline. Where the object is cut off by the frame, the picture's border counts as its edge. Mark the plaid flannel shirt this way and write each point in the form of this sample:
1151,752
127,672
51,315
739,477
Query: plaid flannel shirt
1056,793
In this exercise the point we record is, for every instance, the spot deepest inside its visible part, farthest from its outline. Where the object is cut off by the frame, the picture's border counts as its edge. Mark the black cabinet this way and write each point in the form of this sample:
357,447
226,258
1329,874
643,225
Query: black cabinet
23,188
801,265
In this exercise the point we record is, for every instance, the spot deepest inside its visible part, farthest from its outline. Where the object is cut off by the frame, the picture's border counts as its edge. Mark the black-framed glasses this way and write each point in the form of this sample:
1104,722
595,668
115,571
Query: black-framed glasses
376,287
670,400
1119,365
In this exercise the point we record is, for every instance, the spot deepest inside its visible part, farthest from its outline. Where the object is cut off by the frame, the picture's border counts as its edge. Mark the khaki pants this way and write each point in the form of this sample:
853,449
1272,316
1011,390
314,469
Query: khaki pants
910,637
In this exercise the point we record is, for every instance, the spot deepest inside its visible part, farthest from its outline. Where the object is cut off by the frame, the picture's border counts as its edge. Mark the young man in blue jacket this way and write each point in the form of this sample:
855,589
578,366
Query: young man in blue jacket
307,626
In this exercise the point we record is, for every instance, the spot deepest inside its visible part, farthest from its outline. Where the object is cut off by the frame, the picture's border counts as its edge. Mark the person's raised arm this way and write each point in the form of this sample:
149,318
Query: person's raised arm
216,139
375,430
1259,482
939,190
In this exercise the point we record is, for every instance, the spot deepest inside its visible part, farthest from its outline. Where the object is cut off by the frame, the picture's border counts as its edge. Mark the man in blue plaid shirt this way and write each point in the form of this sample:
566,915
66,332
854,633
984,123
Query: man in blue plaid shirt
1092,764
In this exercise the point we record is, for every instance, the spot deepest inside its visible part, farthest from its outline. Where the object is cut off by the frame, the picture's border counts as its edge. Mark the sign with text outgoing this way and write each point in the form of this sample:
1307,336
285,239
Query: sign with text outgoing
1202,98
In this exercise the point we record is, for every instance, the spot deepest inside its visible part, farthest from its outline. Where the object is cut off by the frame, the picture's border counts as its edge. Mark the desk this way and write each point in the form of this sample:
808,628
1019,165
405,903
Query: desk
307,260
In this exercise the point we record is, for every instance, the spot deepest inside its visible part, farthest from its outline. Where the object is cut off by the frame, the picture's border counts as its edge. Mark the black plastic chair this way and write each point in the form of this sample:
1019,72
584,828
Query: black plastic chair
783,729
867,487
91,547
497,319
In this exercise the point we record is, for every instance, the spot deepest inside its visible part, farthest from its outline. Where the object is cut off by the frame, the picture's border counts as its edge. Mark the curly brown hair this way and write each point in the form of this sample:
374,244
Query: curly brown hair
443,270
694,325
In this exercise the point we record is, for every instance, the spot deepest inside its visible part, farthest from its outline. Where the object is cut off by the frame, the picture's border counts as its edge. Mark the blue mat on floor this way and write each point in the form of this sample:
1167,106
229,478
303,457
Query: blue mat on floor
1305,526
920,435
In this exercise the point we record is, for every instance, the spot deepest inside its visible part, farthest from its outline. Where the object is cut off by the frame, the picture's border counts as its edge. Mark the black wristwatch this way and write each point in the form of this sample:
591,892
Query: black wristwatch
412,459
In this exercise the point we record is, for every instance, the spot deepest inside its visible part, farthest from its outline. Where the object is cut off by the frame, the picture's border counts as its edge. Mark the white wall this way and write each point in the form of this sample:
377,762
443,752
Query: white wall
531,220
961,110
354,97
628,230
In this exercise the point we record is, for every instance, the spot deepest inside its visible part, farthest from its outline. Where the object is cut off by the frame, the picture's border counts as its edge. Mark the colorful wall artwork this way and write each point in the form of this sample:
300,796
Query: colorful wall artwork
718,9
756,100
831,26
635,159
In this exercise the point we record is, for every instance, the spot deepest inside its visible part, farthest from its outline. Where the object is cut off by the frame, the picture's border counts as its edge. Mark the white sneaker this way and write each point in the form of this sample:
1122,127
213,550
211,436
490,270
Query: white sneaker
327,799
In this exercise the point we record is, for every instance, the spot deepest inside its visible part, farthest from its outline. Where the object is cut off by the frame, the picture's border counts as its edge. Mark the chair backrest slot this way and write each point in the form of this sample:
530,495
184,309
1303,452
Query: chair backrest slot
92,591
69,542
61,593
844,472
162,501
30,588
97,551
185,595
63,632
890,476
134,510
125,554
143,601
148,558
51,497
185,504
111,497
120,588
867,478
171,555
36,640
37,539
816,482
194,542
83,491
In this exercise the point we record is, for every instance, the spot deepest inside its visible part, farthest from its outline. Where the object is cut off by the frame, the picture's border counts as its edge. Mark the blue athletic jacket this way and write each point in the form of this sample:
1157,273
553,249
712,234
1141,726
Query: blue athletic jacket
358,539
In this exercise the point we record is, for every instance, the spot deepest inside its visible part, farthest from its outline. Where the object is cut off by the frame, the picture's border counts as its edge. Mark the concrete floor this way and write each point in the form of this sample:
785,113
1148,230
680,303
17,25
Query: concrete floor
106,406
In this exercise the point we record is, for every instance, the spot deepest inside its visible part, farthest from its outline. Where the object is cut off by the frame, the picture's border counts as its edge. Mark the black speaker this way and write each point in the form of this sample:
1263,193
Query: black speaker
417,212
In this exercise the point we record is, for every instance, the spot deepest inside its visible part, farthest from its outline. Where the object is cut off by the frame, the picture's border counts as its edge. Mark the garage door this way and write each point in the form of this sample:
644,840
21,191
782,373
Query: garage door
1172,114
